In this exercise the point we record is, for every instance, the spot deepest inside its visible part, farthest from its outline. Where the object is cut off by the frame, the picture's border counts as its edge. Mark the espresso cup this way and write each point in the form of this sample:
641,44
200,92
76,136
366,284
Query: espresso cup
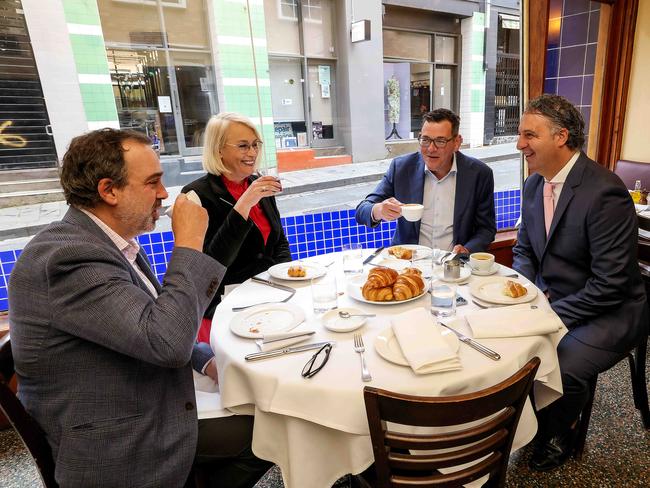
481,261
412,211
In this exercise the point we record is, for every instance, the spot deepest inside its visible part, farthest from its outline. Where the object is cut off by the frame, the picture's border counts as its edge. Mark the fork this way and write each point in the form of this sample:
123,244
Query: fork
284,300
359,347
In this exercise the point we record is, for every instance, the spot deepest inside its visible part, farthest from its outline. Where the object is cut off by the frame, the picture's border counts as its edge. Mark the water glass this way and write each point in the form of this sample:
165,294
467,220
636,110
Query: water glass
352,258
443,298
324,294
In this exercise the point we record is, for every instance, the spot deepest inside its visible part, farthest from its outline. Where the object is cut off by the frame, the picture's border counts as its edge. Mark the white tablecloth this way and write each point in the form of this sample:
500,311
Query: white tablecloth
315,429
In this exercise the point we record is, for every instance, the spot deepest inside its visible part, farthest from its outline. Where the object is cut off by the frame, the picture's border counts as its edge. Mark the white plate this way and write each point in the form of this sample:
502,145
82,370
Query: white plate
393,263
495,267
491,290
465,273
355,284
333,322
266,319
312,270
419,252
387,346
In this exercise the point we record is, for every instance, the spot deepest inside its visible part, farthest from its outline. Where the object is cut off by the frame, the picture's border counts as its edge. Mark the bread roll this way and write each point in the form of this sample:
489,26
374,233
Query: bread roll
514,289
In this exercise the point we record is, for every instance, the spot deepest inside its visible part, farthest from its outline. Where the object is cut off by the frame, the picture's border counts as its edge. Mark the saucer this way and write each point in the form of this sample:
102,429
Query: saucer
335,323
495,267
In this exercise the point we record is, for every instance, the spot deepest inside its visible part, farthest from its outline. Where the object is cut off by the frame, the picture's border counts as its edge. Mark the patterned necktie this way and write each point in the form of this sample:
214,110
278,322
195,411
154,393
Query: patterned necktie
549,205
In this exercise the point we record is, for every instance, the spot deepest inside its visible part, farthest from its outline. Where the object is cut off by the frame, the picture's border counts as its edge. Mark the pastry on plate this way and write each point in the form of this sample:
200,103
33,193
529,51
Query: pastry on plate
513,289
408,285
400,252
296,271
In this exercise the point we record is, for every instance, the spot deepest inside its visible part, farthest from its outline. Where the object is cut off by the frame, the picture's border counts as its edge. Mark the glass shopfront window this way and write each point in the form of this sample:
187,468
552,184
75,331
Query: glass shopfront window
414,80
160,63
302,85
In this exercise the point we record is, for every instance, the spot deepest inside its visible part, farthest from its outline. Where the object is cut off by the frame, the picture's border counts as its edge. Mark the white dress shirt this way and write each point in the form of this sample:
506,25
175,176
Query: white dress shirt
437,224
559,179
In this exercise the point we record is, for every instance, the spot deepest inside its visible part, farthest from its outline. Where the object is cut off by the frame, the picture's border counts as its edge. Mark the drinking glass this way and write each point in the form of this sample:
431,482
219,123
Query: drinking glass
352,258
324,294
443,298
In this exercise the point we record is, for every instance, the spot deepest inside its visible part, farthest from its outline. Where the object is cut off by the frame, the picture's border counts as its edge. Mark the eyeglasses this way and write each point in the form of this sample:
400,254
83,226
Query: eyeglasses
317,361
245,147
439,142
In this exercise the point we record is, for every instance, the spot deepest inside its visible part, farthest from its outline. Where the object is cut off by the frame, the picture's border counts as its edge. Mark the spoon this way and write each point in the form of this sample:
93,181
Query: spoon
347,315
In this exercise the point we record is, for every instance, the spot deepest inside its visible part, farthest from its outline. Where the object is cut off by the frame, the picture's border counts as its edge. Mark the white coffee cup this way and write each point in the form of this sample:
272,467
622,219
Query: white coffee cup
481,261
412,211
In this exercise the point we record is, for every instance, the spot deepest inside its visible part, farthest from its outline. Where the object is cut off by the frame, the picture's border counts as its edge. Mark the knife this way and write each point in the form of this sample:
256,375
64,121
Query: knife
287,350
472,343
373,255
273,284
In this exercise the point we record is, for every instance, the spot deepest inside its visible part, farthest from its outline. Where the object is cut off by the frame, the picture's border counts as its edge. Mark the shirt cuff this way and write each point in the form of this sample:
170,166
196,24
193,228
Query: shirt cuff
205,366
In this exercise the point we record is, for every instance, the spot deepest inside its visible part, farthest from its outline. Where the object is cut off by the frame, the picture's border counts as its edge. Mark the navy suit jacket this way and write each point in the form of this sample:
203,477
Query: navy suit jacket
474,221
588,264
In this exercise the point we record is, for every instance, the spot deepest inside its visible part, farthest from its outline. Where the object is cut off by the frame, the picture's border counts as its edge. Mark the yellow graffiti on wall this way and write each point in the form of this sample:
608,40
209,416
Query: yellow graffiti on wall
11,140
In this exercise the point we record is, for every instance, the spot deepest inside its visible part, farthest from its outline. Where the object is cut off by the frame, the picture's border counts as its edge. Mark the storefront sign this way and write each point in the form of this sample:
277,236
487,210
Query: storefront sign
360,31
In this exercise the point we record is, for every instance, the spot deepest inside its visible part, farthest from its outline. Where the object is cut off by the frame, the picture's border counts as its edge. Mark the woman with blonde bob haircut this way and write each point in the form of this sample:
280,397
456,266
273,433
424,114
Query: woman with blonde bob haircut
244,232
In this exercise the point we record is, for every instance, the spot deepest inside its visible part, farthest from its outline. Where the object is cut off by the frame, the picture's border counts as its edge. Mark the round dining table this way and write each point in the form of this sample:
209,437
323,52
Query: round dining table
315,429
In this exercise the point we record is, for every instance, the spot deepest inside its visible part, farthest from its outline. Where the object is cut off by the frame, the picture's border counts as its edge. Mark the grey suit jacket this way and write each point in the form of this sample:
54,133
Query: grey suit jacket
102,366
588,264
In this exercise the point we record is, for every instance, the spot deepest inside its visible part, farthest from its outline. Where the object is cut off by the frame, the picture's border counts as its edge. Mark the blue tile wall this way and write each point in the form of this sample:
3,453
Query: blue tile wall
571,52
308,235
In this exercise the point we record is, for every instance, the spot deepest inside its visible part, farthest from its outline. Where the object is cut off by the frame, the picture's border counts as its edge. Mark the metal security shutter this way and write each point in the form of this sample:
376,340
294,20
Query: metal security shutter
24,123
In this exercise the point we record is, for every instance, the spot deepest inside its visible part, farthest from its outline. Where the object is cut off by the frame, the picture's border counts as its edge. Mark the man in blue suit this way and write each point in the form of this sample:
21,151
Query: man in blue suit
577,241
457,192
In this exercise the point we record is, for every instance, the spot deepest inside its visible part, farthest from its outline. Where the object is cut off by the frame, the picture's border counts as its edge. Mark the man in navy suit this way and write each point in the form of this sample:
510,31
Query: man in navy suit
457,192
577,241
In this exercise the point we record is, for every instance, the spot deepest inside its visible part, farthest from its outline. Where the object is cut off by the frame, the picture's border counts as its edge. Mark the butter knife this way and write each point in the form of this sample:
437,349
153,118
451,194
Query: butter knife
273,284
472,343
373,255
287,350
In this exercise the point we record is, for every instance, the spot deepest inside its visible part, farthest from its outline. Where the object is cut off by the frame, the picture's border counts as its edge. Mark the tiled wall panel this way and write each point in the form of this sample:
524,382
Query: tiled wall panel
571,52
308,235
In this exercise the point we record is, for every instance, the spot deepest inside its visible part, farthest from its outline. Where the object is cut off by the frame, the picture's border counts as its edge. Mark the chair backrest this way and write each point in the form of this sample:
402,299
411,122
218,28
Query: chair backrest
494,411
630,171
29,431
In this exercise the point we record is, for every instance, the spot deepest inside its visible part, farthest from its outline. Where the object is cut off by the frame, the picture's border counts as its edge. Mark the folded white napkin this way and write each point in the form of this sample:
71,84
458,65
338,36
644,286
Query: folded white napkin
280,340
513,321
422,344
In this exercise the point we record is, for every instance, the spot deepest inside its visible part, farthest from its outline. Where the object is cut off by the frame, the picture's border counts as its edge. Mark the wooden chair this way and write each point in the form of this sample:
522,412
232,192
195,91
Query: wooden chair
29,431
486,444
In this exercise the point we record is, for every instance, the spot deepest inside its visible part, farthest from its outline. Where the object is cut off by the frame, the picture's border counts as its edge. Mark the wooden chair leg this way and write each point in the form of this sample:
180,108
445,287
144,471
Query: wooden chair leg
583,423
639,388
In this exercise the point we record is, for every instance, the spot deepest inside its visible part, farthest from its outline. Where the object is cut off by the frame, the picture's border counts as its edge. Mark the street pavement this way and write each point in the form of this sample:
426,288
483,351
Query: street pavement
304,191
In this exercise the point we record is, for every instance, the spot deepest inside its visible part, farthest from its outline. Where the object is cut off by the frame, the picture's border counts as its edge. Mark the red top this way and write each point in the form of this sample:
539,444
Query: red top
256,214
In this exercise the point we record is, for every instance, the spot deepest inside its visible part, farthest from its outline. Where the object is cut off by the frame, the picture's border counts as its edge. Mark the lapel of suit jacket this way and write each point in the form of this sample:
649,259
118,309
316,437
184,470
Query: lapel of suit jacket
464,184
143,261
573,179
536,225
418,190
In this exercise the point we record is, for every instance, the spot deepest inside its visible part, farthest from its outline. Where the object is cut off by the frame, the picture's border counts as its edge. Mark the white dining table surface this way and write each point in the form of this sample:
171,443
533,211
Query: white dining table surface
316,429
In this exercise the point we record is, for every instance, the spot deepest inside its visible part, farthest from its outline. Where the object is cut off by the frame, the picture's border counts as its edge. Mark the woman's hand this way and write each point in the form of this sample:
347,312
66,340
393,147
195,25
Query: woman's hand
265,186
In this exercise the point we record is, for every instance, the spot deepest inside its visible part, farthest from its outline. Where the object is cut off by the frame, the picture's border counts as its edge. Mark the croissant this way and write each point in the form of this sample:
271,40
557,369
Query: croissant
401,252
381,277
407,286
514,289
384,294
415,271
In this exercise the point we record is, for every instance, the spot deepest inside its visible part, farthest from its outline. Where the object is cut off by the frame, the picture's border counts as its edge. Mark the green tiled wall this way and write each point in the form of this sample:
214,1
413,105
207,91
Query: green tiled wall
236,61
90,59
478,75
